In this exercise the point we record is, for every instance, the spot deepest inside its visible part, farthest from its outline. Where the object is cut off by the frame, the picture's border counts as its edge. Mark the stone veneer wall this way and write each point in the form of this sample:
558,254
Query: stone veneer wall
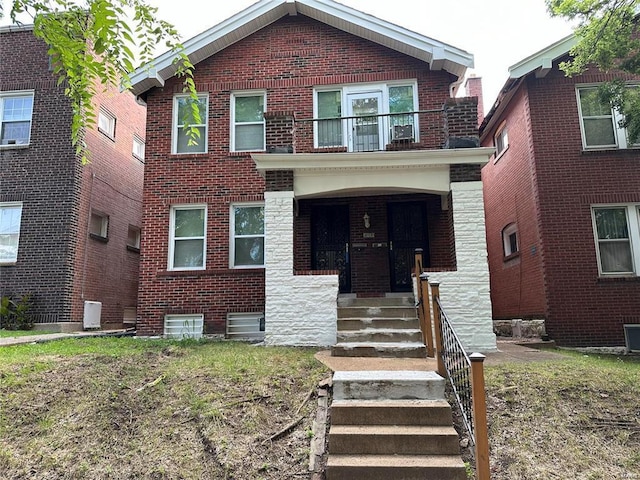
299,310
464,293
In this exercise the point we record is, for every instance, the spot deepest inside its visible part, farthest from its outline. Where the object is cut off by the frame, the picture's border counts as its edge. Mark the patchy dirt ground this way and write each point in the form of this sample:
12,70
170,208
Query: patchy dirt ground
156,411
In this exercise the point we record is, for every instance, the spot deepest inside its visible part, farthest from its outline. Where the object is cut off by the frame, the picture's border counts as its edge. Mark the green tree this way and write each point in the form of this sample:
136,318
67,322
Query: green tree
95,44
607,38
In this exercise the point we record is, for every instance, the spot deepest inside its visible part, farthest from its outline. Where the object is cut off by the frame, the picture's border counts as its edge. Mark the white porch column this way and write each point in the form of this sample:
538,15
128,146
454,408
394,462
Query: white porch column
465,293
299,310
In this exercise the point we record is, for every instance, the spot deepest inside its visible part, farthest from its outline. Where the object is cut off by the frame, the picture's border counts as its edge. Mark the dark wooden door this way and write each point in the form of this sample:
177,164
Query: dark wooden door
407,231
330,241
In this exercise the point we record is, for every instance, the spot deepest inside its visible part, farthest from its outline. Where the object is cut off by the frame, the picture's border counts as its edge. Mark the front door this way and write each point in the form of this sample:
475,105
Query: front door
330,241
365,130
407,231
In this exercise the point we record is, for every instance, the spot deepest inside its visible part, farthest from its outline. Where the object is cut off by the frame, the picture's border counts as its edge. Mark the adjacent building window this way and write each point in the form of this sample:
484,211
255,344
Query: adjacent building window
138,148
107,123
510,239
133,238
187,237
185,118
16,110
10,217
501,140
247,235
600,124
99,225
247,121
617,236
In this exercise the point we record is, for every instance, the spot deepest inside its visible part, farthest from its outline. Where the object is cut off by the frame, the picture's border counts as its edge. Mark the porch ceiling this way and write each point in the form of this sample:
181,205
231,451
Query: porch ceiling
347,174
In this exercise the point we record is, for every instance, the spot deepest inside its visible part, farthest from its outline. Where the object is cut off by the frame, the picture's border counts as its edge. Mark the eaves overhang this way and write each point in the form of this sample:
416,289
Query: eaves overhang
439,56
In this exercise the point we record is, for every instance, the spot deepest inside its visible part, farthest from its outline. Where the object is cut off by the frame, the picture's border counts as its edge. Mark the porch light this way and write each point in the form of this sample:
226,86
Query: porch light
366,220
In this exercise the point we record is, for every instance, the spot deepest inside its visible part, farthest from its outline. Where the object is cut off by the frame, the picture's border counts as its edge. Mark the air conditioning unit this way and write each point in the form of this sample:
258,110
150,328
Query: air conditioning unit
92,313
402,133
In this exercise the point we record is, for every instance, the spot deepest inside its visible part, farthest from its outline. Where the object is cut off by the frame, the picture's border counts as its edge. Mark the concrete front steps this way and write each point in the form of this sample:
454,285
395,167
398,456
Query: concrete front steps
390,425
378,327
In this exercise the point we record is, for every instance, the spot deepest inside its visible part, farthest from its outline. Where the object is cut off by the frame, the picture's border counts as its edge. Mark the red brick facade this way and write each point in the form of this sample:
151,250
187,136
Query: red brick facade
546,183
58,263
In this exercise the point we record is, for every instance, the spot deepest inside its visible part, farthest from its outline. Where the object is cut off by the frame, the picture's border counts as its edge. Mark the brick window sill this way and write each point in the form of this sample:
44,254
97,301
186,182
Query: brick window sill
619,279
209,272
513,256
99,238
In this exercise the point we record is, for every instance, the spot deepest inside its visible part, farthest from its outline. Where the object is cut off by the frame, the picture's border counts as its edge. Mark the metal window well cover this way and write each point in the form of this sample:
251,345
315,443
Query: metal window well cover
183,326
632,337
245,326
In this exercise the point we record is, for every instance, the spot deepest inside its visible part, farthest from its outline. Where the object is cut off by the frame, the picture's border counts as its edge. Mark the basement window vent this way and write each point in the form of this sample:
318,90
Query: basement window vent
632,337
245,326
183,326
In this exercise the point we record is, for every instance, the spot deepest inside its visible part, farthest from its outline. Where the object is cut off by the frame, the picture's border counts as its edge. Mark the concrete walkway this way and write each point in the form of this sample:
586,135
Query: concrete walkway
48,337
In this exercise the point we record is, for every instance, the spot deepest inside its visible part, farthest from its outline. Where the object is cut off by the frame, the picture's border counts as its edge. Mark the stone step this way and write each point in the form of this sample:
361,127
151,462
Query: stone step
387,385
407,301
395,467
378,312
380,349
372,334
393,440
345,324
391,412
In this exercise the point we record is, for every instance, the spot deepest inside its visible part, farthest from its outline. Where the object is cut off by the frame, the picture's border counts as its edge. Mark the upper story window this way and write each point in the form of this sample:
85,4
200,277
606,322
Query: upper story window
187,237
600,124
107,123
501,140
99,225
10,217
133,238
510,240
184,117
16,110
138,148
247,121
247,235
617,235
365,117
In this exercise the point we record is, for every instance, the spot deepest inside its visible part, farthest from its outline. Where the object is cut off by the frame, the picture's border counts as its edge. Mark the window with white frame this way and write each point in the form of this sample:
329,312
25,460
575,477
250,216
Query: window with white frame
138,148
133,238
247,121
501,140
187,237
247,235
10,217
617,236
107,123
510,239
599,123
99,225
185,113
16,111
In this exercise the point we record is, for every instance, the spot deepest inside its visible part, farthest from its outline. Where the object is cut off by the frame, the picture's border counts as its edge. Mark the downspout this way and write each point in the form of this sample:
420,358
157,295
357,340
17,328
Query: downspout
86,240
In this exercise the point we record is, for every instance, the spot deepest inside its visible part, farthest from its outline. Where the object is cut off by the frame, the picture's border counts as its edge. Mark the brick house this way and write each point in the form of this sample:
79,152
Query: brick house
562,200
328,155
69,233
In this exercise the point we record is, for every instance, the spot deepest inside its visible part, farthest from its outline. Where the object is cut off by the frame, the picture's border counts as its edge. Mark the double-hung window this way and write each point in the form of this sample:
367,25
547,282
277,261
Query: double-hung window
187,237
247,121
10,216
501,140
599,123
16,110
186,111
617,236
107,123
247,235
510,240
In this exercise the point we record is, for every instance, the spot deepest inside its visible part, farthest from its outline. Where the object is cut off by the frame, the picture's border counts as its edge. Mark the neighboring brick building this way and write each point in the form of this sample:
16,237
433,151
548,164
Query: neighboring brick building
329,153
69,233
562,200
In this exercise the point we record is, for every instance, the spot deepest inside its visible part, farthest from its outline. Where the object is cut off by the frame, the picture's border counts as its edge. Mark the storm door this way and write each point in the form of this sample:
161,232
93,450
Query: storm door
330,241
407,231
365,130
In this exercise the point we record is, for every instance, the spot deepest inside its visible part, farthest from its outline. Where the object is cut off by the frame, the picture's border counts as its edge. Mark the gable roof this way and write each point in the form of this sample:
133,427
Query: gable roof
438,55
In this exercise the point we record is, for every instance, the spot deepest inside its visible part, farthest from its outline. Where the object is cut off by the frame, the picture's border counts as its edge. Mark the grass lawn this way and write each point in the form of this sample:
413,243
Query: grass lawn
20,333
107,408
577,418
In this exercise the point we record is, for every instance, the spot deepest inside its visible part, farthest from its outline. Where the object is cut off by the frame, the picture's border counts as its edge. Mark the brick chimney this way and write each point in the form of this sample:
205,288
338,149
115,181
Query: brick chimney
473,88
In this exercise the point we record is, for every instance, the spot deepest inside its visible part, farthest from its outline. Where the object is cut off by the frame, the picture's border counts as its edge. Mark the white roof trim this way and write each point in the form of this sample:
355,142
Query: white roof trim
261,14
16,28
541,61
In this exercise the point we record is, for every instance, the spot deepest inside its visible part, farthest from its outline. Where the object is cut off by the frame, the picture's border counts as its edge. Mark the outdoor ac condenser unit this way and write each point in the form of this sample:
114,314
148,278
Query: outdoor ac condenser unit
402,132
92,312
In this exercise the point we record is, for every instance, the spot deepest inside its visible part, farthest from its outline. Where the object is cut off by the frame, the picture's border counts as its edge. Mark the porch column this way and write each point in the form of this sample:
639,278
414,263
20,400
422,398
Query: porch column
465,293
299,309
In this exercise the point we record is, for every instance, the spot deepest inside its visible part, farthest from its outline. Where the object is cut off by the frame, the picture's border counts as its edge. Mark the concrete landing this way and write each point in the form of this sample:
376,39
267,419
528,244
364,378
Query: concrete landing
375,363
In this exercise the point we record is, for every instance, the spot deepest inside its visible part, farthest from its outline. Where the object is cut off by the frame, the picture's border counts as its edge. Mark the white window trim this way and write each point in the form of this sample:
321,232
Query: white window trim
17,93
633,225
247,93
232,235
348,89
172,219
13,261
138,152
133,228
174,126
104,224
619,132
109,129
501,133
506,244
